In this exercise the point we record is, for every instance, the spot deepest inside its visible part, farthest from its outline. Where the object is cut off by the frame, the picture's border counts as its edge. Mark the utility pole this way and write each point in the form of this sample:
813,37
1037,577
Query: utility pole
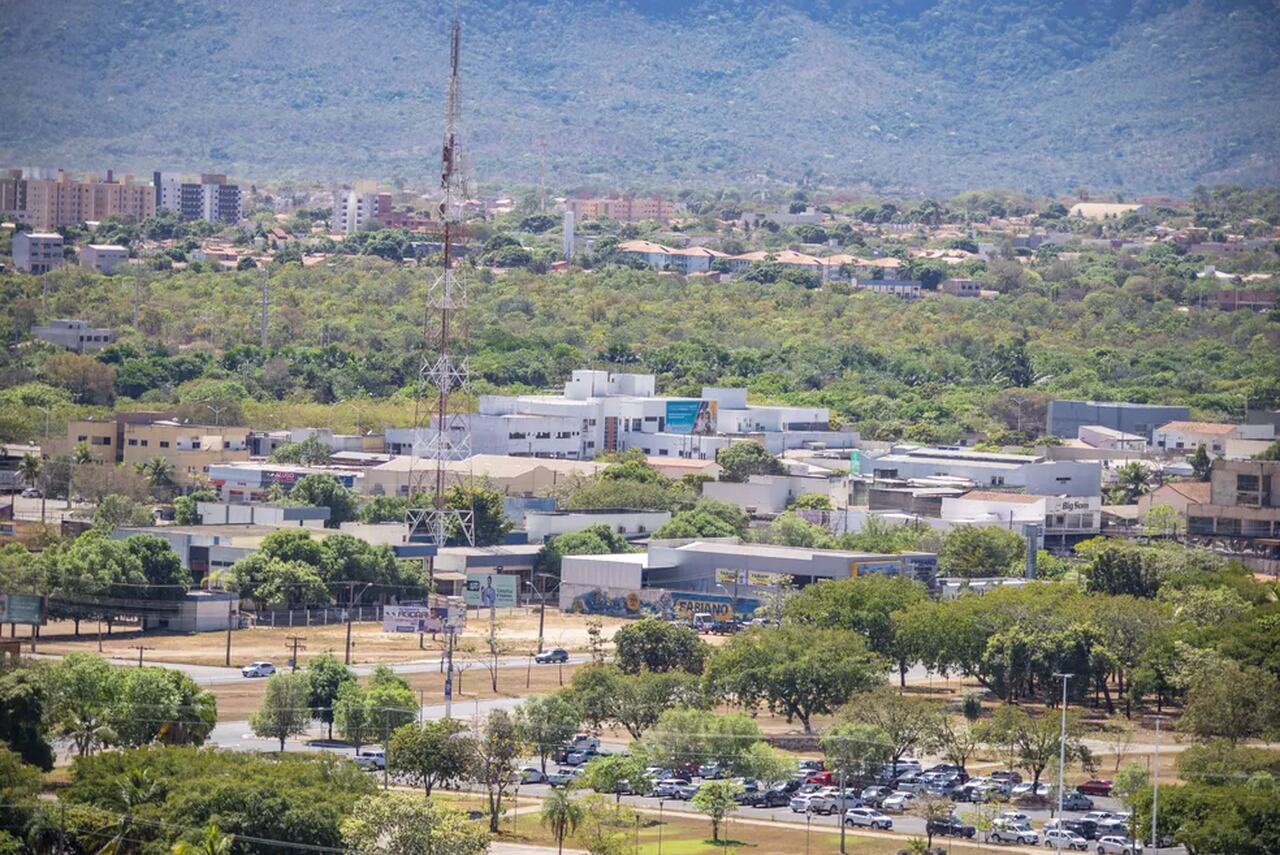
230,623
295,641
351,595
1062,752
842,849
140,648
1155,791
448,674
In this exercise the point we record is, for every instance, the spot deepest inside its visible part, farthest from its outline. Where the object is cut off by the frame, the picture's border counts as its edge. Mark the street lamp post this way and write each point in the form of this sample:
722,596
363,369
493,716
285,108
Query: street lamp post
1062,754
1155,790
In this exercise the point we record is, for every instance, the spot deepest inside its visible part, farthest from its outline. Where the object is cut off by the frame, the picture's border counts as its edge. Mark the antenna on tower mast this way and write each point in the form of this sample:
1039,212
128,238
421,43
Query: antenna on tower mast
446,436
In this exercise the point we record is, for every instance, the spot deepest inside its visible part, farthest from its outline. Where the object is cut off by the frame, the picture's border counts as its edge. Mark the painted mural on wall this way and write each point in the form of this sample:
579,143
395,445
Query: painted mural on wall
652,602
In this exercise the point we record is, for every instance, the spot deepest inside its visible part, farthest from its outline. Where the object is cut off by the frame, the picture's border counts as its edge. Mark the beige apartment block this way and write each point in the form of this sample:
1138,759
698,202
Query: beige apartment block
190,448
52,204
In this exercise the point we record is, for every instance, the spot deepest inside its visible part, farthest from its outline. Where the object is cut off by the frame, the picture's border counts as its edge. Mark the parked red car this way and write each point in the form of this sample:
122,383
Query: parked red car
822,779
1095,788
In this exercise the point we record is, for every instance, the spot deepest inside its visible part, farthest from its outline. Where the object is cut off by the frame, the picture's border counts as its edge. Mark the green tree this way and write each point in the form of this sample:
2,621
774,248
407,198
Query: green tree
1232,702
562,815
864,604
30,468
596,540
161,567
740,460
210,842
1035,739
312,451
291,584
707,518
1132,480
764,763
353,717
23,705
185,510
497,748
972,551
632,701
658,645
547,722
614,773
1201,464
114,511
83,689
160,475
858,750
402,824
325,677
908,721
795,671
326,491
430,754
489,521
1163,521
1121,569
286,708
812,502
1127,784
717,799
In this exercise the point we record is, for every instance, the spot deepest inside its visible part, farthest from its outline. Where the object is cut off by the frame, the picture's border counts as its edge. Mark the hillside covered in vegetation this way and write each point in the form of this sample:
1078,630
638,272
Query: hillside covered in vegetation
907,96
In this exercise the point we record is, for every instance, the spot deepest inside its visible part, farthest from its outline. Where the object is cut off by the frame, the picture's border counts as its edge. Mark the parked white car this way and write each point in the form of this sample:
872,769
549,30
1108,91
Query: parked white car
1114,845
532,775
1011,831
899,802
867,818
1062,837
258,669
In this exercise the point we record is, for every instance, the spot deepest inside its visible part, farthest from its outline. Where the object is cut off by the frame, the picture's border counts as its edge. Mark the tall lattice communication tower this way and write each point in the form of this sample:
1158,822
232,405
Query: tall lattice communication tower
442,437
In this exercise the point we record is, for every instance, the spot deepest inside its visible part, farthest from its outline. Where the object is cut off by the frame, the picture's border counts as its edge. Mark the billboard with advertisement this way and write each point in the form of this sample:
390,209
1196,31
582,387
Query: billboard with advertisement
431,619
892,568
23,608
685,606
485,590
691,417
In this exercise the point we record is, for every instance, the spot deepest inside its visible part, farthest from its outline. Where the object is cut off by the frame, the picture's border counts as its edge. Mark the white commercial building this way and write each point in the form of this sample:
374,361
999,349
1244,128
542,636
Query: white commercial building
1188,436
74,335
1111,439
104,258
1029,472
541,526
37,252
601,412
1061,516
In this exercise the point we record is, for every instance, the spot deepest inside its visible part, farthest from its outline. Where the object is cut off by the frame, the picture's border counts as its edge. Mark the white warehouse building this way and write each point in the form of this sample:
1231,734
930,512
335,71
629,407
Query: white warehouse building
601,412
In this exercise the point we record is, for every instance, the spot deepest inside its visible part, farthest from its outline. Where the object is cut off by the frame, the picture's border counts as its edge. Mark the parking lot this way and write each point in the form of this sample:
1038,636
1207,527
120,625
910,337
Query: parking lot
903,823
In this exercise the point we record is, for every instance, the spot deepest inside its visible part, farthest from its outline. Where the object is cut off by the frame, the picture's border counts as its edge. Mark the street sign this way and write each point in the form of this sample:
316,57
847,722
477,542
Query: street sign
27,609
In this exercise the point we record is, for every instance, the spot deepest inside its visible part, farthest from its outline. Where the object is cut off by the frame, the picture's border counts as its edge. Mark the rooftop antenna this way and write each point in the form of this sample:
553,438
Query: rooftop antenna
441,436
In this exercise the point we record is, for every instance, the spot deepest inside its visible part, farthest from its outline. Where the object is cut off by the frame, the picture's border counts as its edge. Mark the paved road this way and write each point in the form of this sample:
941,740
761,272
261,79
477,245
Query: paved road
209,675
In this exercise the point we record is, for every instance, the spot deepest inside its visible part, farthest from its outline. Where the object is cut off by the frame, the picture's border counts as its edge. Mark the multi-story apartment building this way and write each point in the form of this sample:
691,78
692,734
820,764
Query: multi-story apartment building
1244,505
624,209
133,438
354,210
52,204
104,258
74,335
13,195
37,252
601,412
212,199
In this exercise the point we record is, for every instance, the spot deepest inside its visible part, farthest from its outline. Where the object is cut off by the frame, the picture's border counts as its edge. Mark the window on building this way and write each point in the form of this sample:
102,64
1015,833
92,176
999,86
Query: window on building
164,443
1227,525
133,442
1248,490
144,443
662,452
650,418
1200,525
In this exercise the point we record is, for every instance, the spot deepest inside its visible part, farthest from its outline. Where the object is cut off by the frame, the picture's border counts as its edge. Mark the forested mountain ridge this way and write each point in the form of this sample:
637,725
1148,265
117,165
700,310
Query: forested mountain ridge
902,96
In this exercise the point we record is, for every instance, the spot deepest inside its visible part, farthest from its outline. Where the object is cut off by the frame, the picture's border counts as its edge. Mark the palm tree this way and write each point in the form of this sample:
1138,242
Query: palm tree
159,473
133,791
1132,480
29,469
88,730
562,815
211,842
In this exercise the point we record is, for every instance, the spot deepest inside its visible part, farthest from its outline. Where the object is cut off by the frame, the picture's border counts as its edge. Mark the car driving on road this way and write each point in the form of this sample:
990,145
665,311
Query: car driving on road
258,669
372,758
552,656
